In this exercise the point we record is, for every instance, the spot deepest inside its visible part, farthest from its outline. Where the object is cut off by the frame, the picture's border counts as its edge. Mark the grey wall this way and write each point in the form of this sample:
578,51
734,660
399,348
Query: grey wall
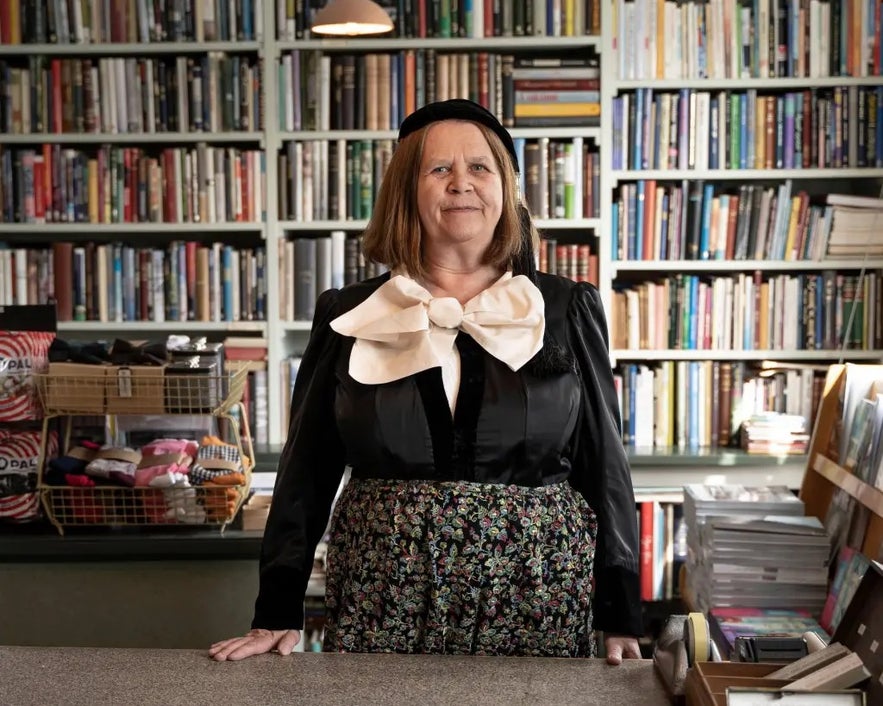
168,604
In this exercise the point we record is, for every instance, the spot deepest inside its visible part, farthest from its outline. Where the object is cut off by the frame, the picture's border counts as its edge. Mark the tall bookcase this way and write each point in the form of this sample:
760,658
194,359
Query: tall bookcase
716,116
276,36
280,36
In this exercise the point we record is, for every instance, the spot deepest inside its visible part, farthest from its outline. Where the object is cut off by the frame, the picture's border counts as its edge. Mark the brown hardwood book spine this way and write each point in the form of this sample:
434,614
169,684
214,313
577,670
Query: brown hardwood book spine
62,265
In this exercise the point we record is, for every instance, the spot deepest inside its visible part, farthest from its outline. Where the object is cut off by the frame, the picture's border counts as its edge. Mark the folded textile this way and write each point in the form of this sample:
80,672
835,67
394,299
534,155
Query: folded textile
180,499
163,456
117,464
73,462
92,353
214,460
125,352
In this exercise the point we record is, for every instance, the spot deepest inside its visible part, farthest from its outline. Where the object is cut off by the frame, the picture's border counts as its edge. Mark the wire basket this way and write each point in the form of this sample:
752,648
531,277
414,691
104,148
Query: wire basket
121,506
92,389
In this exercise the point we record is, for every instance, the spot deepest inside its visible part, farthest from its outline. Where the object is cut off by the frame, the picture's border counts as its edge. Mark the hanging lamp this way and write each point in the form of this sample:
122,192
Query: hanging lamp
351,18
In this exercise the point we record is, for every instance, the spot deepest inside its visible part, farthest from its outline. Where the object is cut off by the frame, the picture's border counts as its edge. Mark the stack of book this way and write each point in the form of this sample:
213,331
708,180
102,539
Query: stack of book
556,91
775,433
752,547
855,226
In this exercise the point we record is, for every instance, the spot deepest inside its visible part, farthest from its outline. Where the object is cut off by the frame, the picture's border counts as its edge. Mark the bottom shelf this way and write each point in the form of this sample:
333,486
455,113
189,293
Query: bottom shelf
199,505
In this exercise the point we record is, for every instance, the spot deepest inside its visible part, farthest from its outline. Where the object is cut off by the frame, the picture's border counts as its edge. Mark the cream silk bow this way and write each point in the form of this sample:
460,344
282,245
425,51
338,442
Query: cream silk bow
401,329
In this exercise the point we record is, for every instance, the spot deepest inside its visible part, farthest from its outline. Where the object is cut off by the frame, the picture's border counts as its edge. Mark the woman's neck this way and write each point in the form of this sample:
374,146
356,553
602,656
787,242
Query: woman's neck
461,283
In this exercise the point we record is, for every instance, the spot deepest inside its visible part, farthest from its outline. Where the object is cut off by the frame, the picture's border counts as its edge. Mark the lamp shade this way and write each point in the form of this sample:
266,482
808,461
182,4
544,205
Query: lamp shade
351,18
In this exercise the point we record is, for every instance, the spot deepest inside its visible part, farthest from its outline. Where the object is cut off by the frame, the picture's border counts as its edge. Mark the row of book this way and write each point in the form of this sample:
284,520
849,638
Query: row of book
692,129
310,266
824,311
210,93
339,179
131,21
331,180
663,549
698,220
685,405
463,18
681,405
705,404
575,261
562,178
116,282
113,184
251,352
765,38
375,91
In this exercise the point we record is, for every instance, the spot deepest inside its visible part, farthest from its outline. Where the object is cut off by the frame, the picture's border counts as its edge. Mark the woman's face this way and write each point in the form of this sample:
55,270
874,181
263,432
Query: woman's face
459,192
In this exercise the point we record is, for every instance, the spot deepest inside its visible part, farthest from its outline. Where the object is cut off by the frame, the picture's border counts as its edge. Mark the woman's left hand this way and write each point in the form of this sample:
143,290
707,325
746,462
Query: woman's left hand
620,647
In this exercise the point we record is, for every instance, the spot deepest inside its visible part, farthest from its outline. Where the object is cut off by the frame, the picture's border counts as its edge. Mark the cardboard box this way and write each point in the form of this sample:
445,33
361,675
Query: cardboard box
136,389
707,682
255,512
75,388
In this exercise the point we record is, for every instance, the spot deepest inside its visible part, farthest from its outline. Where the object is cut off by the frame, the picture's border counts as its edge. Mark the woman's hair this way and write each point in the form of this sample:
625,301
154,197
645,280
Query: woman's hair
394,236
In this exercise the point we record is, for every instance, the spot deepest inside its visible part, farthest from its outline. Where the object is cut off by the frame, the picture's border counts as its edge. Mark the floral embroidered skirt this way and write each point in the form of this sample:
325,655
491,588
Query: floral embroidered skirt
460,568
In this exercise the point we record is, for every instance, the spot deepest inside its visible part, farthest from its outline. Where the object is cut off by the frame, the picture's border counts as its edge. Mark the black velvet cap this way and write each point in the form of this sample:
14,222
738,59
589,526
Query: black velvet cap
458,109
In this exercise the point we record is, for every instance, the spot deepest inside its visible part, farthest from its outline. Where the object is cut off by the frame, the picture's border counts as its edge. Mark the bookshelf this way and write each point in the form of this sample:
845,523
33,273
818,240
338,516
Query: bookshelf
274,35
260,35
775,105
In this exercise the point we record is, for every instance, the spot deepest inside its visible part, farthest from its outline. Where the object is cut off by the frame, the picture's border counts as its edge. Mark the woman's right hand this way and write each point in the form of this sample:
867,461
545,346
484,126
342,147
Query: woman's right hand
256,642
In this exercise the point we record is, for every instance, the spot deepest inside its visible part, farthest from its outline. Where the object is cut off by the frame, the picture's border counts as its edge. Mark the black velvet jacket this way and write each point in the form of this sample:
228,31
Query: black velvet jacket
523,428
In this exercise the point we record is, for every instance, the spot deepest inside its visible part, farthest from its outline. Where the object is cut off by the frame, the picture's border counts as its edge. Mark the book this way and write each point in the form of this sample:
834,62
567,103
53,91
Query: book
726,624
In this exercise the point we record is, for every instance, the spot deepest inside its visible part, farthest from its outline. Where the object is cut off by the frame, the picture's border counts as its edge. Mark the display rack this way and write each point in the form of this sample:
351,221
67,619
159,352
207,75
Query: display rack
64,397
825,473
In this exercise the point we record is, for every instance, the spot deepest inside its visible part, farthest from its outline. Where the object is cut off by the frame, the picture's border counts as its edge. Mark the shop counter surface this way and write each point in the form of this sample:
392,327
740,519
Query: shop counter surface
150,677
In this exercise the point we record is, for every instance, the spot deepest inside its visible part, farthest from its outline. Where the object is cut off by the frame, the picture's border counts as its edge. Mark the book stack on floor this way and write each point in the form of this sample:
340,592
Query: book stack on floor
753,548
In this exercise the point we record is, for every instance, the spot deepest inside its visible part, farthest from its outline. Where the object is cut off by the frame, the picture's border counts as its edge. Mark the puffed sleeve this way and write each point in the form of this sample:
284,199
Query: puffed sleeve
601,470
309,473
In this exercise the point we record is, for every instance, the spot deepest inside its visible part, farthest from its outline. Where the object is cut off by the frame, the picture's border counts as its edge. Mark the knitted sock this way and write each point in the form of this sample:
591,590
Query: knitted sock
215,459
72,463
115,464
154,465
220,501
80,502
180,499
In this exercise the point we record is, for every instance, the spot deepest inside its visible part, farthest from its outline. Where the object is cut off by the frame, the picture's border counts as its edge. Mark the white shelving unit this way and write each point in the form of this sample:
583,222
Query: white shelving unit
129,48
287,337
294,334
619,54
284,337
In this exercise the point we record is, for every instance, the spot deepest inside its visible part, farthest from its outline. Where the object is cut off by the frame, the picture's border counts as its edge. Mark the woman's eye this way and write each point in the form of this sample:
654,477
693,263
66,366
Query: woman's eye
440,169
479,167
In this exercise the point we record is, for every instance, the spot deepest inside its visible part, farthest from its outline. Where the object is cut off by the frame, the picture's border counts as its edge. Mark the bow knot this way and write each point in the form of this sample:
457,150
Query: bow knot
445,312
401,329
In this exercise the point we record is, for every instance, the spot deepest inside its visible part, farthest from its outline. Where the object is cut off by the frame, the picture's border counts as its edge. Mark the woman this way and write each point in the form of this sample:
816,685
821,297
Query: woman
472,398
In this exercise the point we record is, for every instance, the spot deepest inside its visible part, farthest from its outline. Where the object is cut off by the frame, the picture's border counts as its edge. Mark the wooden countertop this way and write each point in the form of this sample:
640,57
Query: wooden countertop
148,677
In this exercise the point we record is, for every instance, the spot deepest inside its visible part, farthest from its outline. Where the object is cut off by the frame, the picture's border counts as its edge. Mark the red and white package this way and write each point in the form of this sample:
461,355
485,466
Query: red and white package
19,471
26,332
